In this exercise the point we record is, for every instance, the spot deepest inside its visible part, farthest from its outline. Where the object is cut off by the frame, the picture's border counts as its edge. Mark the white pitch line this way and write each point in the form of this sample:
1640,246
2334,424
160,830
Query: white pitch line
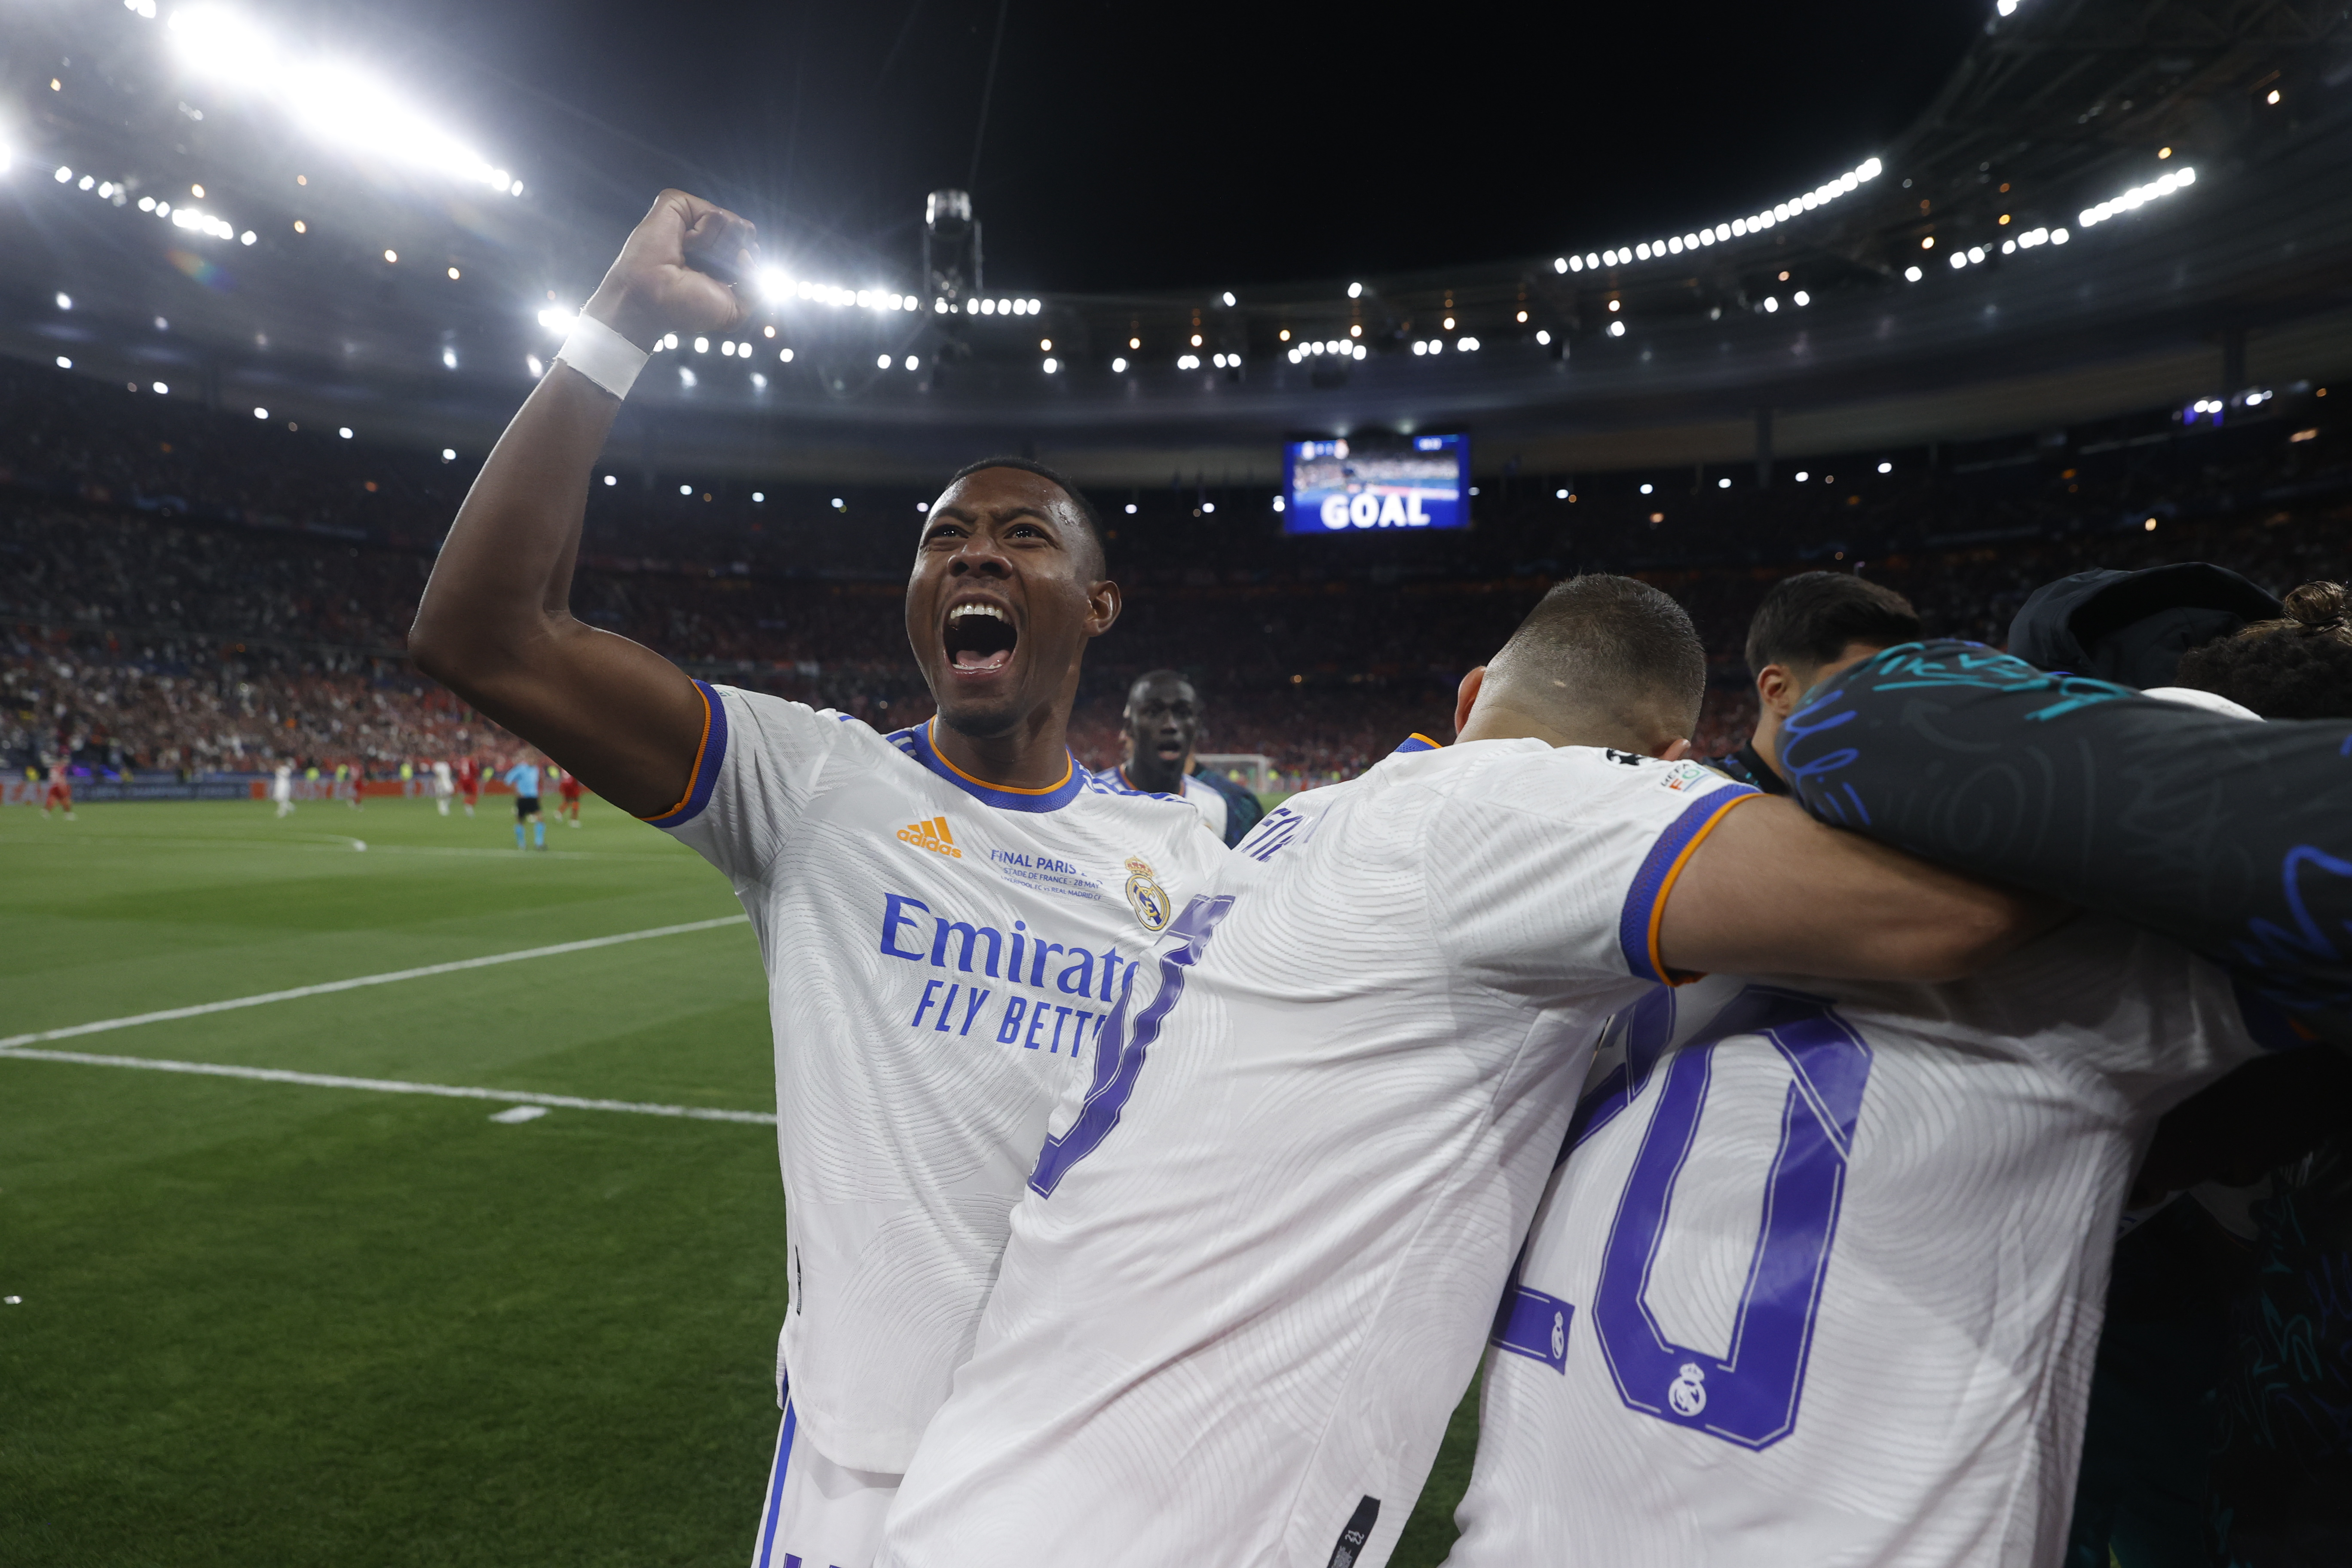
397,1086
12,1042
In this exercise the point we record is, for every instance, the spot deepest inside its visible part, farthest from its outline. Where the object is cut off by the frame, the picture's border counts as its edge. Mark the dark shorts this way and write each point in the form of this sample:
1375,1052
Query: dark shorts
526,805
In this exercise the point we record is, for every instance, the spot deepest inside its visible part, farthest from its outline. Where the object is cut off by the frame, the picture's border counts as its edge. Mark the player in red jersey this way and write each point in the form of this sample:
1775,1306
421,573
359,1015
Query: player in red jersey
60,790
469,782
567,787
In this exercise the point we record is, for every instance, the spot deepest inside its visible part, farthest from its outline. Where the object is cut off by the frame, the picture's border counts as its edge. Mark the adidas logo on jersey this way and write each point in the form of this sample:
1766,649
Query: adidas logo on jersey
932,836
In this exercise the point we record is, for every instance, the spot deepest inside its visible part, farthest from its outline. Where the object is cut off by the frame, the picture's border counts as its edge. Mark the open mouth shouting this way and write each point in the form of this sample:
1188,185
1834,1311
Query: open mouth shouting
979,637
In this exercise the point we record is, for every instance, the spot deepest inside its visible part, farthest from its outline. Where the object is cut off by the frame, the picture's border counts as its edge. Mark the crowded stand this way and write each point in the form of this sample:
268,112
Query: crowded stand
189,591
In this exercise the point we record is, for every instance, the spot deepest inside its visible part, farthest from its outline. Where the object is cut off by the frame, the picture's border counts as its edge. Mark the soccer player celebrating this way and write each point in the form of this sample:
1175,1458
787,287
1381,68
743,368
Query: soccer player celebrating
1161,722
1806,628
1822,1277
524,778
947,913
2234,839
1263,1245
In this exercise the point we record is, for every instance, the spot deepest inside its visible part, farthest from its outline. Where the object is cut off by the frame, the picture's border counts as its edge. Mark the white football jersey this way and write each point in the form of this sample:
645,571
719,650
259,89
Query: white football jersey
1821,1279
941,957
1214,807
1263,1244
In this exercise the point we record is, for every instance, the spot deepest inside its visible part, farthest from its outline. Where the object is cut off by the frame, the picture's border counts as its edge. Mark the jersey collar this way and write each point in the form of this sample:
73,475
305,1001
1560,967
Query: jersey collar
1051,798
1417,741
1122,785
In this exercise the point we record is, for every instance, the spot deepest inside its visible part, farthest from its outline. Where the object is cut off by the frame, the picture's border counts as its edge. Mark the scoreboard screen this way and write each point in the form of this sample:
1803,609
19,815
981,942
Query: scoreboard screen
1375,481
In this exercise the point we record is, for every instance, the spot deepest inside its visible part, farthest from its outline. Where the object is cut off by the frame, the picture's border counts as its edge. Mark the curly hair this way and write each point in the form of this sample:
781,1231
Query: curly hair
2296,667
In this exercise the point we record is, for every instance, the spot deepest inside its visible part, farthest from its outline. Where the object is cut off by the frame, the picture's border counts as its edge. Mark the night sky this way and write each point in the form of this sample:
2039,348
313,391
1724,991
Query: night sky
1129,147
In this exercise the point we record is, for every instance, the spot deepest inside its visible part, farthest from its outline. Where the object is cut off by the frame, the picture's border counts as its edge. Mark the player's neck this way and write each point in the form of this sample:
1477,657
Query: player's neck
1033,754
1147,773
1766,741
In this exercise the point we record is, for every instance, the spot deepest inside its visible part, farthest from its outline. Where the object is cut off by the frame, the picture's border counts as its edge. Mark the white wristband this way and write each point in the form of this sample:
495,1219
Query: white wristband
603,355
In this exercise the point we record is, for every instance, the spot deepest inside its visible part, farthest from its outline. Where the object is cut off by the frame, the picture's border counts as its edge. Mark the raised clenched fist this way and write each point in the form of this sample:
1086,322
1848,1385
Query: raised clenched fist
684,270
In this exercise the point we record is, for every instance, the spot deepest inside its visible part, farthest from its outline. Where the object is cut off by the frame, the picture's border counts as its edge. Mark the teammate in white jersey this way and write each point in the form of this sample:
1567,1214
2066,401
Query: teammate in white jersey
946,913
1160,724
1263,1244
1820,1280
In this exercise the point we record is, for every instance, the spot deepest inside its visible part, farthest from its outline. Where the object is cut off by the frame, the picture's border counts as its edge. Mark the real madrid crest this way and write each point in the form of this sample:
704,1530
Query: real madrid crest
1146,895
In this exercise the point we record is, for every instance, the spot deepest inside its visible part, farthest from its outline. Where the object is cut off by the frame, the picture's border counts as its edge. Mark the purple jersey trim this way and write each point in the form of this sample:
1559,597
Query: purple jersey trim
916,741
1636,926
706,763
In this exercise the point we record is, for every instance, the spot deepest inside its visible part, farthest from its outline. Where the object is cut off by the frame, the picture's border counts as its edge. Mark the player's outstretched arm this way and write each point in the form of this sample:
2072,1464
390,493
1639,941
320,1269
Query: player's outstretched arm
496,624
1772,892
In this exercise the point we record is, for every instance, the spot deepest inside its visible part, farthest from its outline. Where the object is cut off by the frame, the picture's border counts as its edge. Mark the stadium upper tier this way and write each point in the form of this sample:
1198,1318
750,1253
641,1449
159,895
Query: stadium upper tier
2109,207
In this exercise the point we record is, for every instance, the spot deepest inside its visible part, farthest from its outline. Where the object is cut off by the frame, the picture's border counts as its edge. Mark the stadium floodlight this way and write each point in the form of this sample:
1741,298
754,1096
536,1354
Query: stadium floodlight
1119,366
1130,508
1886,467
448,359
1723,484
448,454
1542,336
784,356
534,365
759,382
1645,489
1052,365
1467,345
344,431
334,101
162,390
702,345
1355,291
248,238
1911,275
1770,305
912,362
1975,253
685,376
1228,297
64,363
1565,264
1959,259
881,362
758,497
64,301
1044,345
261,414
1802,297
63,175
686,490
612,479
1616,328
2134,198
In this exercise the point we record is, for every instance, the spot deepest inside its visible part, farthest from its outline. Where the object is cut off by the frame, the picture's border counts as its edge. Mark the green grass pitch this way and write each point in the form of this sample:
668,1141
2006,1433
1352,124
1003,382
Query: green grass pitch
275,1325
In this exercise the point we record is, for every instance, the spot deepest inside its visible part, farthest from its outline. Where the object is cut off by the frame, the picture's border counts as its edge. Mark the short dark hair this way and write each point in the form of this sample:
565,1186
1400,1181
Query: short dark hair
1148,676
1612,649
1085,508
1808,619
2297,667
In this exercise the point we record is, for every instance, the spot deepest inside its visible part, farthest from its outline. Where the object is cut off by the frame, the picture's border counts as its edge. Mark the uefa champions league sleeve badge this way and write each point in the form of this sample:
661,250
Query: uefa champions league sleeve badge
1146,895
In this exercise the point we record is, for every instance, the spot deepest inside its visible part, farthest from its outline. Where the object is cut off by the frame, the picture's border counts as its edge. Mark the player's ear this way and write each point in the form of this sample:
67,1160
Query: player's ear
1776,688
1103,603
1468,698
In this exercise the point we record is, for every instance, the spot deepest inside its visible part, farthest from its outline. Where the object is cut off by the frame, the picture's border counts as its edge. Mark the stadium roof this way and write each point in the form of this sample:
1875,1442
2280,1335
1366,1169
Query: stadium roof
2102,196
